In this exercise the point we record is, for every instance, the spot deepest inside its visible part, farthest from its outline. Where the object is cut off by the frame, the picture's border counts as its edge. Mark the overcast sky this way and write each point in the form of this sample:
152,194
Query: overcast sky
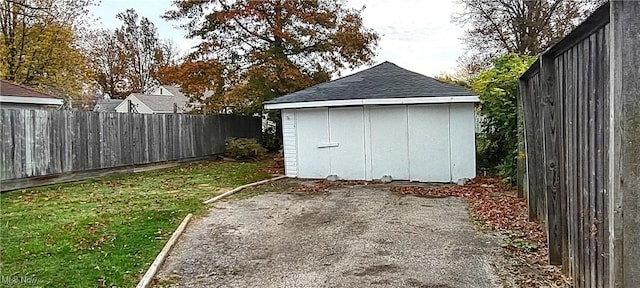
415,34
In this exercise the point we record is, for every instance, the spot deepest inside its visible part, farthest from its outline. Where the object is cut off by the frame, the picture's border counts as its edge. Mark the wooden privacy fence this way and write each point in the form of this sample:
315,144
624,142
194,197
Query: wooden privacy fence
39,144
581,106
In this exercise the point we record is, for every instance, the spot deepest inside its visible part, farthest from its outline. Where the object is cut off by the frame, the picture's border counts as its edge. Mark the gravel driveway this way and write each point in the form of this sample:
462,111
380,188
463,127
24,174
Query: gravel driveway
351,236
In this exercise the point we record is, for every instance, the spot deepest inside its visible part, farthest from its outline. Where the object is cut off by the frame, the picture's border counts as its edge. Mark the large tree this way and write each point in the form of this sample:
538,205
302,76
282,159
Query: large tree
108,63
518,26
255,50
39,46
127,59
141,47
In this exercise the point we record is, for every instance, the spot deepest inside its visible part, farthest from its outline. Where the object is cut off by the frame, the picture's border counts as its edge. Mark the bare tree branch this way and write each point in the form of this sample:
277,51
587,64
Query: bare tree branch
520,26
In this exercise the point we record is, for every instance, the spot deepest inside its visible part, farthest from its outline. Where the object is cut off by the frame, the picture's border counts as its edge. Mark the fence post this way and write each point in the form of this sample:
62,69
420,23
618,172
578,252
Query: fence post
624,145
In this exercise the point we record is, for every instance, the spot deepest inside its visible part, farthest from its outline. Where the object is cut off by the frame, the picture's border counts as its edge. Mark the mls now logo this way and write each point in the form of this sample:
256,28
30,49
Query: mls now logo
19,280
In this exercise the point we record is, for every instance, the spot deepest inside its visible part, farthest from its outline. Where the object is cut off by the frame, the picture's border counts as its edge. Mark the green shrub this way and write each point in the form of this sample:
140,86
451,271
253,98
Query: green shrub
270,139
498,88
243,148
486,160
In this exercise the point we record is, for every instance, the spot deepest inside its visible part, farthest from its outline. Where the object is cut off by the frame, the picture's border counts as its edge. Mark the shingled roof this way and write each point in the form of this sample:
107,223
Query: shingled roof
383,81
107,105
8,88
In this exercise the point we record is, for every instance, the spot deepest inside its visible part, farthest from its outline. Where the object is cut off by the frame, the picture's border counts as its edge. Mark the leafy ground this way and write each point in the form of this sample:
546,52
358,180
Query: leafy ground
105,232
495,207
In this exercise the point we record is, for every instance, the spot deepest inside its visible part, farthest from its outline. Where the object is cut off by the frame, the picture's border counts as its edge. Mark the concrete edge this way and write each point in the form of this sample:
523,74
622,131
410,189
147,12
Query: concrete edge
151,272
228,193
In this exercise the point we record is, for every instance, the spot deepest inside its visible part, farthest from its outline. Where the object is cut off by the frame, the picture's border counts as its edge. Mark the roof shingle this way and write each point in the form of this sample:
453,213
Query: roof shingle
385,80
107,105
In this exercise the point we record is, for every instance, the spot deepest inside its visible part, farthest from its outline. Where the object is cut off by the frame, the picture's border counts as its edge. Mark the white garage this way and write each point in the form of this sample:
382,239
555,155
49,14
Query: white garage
383,121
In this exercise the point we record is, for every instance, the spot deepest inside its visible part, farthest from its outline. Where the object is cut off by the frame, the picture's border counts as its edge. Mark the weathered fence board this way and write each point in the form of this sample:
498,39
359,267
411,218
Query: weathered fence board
39,143
581,106
551,142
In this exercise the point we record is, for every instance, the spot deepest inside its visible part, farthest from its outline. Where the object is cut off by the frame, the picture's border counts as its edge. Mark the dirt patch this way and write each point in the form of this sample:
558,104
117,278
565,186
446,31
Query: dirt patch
341,236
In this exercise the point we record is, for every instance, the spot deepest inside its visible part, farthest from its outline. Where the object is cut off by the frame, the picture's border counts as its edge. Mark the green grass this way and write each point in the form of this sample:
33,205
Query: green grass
105,232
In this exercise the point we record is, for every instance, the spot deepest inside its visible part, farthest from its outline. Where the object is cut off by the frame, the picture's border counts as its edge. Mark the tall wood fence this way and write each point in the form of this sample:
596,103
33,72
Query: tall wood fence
581,106
39,144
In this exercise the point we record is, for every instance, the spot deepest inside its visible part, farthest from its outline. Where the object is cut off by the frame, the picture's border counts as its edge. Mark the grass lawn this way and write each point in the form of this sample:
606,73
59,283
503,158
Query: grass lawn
104,232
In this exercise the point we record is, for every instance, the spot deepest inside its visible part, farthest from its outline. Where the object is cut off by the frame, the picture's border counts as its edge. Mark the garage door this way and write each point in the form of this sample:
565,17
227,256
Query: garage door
313,134
389,146
346,132
408,142
331,142
429,143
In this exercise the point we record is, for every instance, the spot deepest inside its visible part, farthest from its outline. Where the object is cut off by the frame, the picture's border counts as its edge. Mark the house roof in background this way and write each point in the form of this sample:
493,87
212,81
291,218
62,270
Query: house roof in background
8,88
160,103
107,105
383,81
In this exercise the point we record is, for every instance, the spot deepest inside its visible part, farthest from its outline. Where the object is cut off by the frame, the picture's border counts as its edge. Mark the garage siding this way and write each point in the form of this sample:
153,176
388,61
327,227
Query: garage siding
428,142
289,142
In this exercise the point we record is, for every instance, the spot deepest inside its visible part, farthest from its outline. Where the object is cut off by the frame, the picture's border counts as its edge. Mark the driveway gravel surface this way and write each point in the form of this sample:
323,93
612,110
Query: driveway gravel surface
350,236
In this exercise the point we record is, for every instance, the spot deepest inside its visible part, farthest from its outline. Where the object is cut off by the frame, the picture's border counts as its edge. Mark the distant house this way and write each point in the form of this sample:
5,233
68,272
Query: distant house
14,96
161,100
106,105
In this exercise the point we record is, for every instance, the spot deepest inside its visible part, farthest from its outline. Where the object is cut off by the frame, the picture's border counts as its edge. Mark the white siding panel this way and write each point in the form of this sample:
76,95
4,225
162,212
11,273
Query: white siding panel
312,131
389,142
463,148
346,128
289,143
429,152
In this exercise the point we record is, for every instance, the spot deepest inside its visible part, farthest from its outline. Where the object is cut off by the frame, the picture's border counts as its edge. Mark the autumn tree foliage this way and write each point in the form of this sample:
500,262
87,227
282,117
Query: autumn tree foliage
39,46
126,60
199,79
517,26
255,50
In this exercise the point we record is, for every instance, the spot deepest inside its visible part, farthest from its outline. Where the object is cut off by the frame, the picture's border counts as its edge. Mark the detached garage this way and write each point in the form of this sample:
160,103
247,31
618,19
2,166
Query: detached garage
383,121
